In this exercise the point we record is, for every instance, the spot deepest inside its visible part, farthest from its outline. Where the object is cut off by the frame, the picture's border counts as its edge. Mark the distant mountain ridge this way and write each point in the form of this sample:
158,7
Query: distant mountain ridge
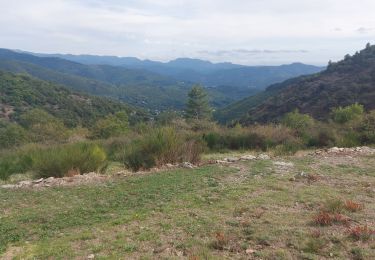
343,83
201,71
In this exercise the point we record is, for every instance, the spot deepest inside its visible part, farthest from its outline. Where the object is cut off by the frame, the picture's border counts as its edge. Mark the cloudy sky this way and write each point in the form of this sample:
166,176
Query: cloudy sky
250,32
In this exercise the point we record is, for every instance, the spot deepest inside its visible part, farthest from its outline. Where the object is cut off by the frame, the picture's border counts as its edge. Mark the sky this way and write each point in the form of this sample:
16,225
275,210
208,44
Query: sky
251,32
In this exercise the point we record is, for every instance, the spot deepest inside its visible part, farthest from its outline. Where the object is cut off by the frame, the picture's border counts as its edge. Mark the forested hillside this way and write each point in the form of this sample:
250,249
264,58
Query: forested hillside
343,83
22,93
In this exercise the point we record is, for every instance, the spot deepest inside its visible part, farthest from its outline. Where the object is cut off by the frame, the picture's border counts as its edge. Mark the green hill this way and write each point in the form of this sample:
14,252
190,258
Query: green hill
343,83
20,93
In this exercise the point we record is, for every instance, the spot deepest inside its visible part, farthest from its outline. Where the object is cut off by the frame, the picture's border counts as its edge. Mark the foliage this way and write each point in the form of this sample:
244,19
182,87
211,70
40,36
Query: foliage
11,135
21,93
297,121
43,127
16,162
57,161
198,107
346,114
161,146
111,126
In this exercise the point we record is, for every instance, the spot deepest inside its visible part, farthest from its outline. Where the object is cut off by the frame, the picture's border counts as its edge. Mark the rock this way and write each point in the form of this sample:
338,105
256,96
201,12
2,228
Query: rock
284,164
38,181
187,165
221,162
301,175
247,158
25,183
231,159
334,150
169,165
263,157
92,256
8,186
49,180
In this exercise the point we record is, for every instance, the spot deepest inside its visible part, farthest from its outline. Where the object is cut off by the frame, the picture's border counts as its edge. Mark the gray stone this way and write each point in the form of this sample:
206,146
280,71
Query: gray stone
247,158
263,157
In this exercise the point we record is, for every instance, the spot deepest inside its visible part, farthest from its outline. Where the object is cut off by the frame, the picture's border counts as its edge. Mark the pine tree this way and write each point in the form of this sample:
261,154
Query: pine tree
197,105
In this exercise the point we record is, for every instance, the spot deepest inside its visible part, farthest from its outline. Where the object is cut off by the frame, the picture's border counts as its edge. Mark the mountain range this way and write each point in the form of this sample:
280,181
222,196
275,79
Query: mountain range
150,85
202,72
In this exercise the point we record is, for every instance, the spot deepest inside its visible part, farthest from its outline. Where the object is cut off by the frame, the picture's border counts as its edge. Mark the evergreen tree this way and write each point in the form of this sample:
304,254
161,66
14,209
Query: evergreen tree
198,106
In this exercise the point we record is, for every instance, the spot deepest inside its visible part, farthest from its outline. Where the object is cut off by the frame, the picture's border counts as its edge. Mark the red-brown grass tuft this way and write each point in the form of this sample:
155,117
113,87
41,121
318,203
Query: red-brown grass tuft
221,240
353,206
362,233
327,219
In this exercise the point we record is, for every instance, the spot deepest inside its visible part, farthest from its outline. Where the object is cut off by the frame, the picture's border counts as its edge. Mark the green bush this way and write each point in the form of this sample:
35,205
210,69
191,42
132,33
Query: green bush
11,135
57,161
14,163
161,146
111,126
346,114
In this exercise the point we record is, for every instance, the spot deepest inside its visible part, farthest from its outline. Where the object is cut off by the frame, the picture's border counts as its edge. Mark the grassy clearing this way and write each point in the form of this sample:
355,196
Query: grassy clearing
249,209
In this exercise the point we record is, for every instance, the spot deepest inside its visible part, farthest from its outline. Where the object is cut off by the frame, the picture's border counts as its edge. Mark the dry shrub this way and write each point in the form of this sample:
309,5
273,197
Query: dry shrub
363,233
277,134
327,219
313,177
353,206
220,241
73,172
323,219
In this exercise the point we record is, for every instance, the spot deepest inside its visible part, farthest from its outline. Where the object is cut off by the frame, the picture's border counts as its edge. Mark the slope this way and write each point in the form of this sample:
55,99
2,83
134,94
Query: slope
346,82
20,93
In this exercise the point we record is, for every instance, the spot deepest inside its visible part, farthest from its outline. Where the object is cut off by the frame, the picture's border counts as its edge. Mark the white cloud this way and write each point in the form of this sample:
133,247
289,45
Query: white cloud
166,29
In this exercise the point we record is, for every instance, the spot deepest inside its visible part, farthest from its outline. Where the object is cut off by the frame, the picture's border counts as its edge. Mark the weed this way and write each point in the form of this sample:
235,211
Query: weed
353,206
362,233
327,219
220,241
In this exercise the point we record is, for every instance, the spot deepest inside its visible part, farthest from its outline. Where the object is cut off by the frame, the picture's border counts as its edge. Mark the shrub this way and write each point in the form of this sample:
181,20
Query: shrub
346,114
11,135
112,125
13,163
58,161
327,219
163,145
43,127
297,121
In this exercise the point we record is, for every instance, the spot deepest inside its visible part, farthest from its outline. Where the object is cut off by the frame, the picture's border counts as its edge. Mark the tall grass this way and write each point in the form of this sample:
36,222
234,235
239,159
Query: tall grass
57,161
161,146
